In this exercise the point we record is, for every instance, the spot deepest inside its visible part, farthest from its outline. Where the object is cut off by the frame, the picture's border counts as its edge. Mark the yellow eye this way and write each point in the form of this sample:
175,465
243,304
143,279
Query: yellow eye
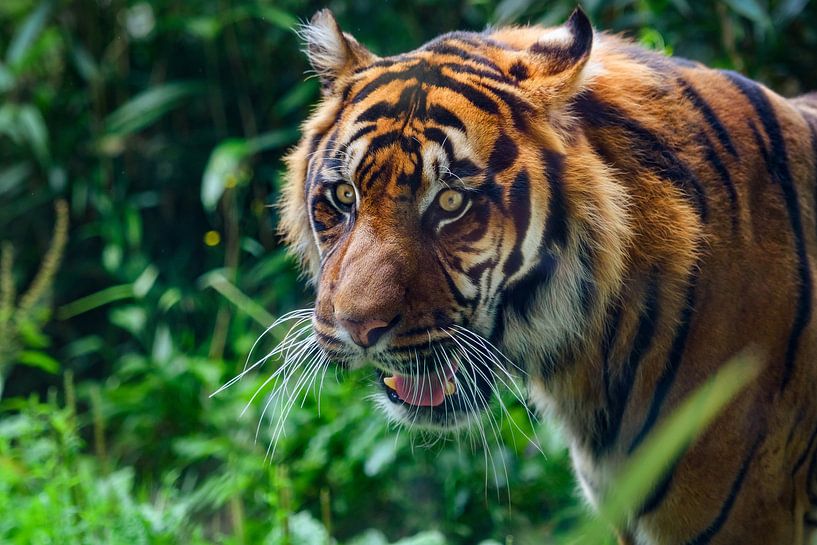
345,194
450,200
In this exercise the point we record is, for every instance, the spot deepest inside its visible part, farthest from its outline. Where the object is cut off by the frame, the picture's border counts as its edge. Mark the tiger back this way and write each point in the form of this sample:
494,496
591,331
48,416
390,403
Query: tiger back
611,224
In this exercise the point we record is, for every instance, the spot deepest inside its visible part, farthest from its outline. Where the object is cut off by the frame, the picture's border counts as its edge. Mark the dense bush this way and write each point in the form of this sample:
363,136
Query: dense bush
161,124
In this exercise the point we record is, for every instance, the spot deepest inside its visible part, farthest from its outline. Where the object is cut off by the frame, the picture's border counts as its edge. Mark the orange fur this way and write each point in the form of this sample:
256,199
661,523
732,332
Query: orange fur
641,220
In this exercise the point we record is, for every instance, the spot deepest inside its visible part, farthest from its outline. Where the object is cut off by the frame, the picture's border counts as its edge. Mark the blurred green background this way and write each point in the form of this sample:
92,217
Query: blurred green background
140,149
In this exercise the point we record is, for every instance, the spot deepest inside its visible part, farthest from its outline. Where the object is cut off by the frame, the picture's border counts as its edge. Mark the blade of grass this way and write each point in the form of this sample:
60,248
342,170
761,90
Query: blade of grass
242,301
651,461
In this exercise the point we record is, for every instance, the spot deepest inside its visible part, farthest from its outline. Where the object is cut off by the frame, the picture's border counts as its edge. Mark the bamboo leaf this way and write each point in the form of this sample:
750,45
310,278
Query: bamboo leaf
28,33
149,106
654,457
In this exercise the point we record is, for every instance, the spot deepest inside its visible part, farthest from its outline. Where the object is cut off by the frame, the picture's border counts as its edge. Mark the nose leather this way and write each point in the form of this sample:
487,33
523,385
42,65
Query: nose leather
367,332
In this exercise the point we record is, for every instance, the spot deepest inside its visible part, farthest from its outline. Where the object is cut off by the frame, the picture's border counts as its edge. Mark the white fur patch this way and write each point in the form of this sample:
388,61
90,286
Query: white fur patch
326,46
556,37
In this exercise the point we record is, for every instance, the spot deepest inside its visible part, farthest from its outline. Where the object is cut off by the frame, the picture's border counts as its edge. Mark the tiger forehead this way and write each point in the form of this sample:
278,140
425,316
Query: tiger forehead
409,161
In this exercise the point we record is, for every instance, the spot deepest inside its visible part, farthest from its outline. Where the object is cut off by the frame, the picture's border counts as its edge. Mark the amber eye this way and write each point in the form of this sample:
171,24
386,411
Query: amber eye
345,194
450,200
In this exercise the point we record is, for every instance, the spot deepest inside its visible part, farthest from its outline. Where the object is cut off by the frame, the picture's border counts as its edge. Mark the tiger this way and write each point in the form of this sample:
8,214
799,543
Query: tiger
607,223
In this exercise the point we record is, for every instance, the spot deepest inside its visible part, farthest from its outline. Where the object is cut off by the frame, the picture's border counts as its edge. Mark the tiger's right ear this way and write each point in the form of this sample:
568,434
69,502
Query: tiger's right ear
332,52
559,57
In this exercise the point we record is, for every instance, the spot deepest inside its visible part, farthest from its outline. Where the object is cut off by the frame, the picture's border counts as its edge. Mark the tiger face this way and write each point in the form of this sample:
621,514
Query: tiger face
426,200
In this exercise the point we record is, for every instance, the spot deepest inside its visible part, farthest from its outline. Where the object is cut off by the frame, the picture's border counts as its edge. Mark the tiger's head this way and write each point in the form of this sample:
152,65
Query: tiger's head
447,211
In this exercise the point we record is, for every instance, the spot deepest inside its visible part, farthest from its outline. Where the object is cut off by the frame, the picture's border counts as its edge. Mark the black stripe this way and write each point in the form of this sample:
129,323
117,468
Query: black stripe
801,414
813,126
470,70
523,293
360,133
363,169
709,114
518,106
443,116
376,111
459,297
726,178
778,167
804,455
476,97
618,392
519,208
427,74
653,152
437,135
463,168
557,221
662,488
707,534
448,48
662,388
608,342
402,74
503,154
587,288
316,164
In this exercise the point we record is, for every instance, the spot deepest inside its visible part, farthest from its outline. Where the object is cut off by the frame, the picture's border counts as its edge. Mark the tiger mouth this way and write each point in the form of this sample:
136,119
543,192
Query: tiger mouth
443,401
422,390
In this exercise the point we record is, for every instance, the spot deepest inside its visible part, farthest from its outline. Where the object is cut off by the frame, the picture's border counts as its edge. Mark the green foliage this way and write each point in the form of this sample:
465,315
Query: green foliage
162,124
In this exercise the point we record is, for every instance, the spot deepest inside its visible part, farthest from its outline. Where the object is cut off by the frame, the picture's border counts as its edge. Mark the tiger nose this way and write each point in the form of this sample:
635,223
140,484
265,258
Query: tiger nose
366,333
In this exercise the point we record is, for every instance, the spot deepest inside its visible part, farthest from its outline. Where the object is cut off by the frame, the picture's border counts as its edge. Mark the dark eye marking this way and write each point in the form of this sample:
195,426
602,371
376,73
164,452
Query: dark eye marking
445,117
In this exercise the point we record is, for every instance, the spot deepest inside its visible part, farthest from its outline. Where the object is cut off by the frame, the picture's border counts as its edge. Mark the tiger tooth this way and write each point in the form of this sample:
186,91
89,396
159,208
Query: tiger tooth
391,382
450,388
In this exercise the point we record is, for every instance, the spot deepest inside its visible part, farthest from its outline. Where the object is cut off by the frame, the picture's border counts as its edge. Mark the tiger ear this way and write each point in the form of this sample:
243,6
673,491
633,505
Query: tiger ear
332,52
560,54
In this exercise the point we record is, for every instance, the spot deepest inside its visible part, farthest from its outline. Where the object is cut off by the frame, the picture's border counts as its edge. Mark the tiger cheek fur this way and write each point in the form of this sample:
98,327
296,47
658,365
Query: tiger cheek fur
617,222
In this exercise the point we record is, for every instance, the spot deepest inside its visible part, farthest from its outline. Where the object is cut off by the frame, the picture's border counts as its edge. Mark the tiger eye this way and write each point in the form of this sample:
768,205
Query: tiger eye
345,194
450,200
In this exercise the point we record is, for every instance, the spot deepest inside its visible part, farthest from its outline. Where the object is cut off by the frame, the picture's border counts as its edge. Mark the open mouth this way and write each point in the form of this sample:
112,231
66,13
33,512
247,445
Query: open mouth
422,390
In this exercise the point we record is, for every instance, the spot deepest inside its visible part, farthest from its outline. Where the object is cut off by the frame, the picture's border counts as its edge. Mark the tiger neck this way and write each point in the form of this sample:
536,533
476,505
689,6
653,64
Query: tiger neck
632,250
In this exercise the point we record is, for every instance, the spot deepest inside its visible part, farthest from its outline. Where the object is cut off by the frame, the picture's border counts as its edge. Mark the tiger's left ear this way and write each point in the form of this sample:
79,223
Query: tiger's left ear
560,56
332,52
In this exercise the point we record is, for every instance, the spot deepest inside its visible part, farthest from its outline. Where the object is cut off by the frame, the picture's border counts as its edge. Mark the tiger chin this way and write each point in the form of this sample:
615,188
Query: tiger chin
616,222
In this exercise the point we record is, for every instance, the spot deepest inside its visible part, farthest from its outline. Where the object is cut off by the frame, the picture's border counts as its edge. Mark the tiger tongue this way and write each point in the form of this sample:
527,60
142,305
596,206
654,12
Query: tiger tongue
424,390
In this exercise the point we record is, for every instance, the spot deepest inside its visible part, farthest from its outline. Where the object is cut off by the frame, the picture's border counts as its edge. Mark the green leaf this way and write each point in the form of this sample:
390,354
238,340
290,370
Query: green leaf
31,335
788,10
162,344
751,9
207,28
95,300
218,282
425,538
32,126
7,79
40,360
230,291
28,33
13,176
654,457
149,106
142,285
383,454
130,318
84,62
224,168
